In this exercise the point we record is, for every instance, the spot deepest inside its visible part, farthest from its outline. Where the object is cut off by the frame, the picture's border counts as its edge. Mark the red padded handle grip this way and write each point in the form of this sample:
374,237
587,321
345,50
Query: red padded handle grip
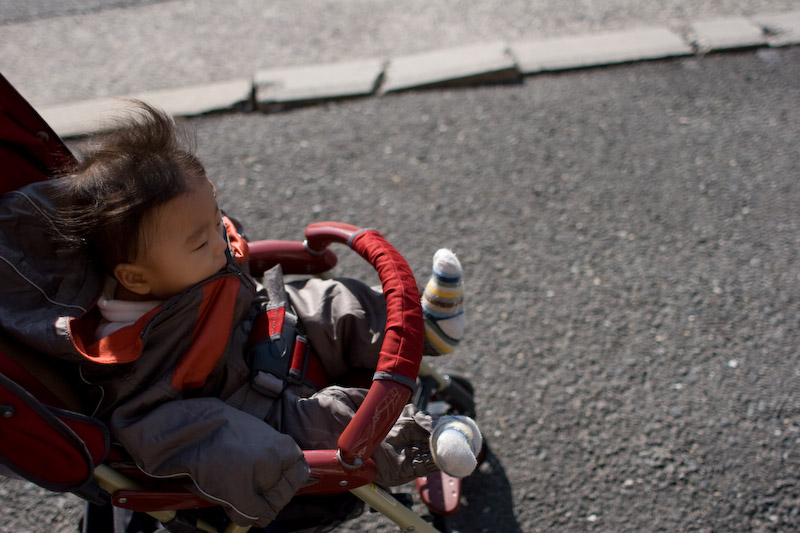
401,351
294,257
320,234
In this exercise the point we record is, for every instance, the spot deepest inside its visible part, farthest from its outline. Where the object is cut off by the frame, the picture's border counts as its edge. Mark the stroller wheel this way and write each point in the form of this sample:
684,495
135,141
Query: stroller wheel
458,395
464,383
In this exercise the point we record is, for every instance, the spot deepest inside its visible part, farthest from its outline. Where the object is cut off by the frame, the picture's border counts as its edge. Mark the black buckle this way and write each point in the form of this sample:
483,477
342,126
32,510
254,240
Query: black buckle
270,362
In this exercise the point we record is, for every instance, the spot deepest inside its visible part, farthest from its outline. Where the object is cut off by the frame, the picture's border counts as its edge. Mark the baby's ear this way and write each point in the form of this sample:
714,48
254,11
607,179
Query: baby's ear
132,277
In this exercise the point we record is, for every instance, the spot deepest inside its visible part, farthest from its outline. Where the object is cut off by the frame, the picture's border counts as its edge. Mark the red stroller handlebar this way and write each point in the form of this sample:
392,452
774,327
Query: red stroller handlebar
401,352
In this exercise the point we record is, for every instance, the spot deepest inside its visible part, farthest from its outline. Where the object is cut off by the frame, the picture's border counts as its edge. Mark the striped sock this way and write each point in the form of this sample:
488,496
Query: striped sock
443,304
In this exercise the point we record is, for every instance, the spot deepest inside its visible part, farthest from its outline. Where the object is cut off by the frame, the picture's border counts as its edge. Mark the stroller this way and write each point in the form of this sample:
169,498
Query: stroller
48,438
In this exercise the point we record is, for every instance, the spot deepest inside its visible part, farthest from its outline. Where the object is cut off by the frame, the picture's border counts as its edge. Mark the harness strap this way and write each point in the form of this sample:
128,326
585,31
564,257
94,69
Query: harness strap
278,354
251,401
306,367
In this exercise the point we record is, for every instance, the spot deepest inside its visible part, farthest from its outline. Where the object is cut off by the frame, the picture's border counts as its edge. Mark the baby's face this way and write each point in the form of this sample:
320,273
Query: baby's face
185,242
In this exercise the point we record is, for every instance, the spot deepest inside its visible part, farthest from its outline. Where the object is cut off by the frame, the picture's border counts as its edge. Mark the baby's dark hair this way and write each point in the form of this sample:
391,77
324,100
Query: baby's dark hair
105,203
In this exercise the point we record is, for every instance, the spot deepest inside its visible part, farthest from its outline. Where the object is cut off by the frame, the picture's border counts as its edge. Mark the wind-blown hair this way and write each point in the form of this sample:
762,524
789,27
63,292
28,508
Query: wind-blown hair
106,203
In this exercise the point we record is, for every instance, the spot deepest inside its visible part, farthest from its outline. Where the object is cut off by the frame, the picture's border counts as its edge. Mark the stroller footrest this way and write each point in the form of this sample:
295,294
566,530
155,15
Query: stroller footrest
440,493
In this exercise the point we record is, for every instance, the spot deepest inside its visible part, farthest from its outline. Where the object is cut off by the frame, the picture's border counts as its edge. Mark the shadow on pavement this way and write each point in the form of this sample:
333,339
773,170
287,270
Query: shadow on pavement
488,502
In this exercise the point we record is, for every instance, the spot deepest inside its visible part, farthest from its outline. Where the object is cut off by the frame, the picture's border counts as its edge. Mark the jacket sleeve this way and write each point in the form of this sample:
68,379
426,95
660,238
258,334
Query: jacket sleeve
232,457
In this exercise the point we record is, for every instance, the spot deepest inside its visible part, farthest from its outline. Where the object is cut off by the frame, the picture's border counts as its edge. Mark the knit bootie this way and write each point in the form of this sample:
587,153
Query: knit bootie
443,304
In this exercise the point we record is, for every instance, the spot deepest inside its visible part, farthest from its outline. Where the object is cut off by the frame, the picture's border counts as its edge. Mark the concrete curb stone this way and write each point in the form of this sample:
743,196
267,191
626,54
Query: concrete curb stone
494,62
783,29
277,88
598,49
726,34
80,118
483,63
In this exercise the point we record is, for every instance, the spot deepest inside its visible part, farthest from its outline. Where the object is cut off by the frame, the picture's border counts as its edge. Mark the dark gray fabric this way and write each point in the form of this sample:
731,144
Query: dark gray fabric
343,320
230,456
41,283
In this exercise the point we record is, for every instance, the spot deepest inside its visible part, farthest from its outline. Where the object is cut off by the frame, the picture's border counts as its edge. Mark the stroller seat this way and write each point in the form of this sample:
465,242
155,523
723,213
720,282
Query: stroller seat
49,436
46,437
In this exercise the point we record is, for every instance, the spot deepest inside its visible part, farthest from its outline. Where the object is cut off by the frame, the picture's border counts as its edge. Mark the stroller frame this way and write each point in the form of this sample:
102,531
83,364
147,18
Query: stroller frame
36,152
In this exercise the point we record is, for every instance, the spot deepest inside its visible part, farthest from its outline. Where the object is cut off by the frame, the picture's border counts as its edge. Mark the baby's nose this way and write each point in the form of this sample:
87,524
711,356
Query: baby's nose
220,244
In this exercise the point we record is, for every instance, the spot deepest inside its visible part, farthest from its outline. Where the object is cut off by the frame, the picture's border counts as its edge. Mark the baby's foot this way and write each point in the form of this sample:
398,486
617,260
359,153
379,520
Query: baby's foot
455,443
443,304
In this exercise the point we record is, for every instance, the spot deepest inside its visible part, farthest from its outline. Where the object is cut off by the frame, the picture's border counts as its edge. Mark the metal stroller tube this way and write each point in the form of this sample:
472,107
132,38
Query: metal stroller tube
401,352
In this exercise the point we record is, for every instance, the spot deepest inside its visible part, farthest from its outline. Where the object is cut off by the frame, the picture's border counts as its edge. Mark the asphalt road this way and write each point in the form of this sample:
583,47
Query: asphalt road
630,240
630,243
